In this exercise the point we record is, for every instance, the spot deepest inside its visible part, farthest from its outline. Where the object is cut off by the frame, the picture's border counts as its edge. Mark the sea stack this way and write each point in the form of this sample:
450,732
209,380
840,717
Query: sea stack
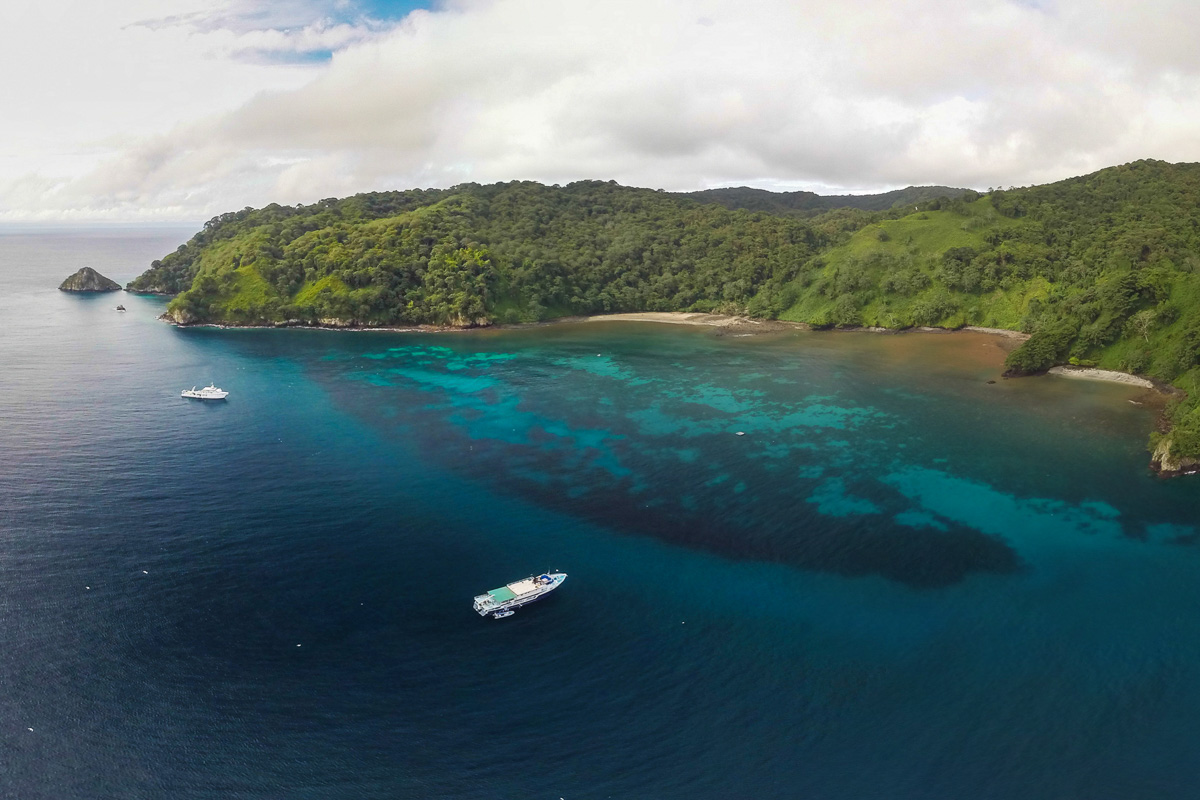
88,280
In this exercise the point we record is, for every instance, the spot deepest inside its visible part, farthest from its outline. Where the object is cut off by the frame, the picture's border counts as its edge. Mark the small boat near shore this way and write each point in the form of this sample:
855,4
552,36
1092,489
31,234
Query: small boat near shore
503,602
210,392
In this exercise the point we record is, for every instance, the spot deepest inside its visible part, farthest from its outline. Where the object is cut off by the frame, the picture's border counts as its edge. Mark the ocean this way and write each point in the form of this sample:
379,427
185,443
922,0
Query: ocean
907,578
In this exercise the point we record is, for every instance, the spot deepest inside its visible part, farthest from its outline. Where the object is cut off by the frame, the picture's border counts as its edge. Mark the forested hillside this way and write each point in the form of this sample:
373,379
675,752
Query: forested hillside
479,254
1101,269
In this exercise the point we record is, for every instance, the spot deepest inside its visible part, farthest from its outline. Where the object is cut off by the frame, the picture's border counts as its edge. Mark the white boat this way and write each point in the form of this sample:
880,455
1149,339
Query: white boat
503,602
210,392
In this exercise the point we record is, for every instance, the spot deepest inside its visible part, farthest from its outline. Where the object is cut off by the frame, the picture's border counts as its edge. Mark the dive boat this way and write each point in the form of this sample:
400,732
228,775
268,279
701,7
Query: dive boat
503,602
210,392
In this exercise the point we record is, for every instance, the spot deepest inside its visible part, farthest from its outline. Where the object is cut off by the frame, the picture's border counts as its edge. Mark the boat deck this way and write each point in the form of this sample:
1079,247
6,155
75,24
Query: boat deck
502,595
517,593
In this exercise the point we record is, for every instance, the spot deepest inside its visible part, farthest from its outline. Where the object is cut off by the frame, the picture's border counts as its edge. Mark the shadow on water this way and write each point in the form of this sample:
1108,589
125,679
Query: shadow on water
642,437
772,521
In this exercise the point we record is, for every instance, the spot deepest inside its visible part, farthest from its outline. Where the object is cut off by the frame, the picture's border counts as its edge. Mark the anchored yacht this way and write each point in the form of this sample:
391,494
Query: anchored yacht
210,392
502,602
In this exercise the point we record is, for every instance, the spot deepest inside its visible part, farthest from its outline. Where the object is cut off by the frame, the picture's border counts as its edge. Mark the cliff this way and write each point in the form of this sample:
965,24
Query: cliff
1168,464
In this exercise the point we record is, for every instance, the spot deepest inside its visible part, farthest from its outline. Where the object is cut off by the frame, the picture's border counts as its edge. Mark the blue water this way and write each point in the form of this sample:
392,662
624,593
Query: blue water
901,582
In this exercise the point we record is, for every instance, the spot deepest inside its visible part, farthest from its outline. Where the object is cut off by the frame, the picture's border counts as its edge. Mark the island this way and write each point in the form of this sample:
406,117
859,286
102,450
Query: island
1100,271
88,280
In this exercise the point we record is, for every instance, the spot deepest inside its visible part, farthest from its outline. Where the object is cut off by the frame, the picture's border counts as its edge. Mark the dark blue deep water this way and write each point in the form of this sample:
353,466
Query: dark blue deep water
902,582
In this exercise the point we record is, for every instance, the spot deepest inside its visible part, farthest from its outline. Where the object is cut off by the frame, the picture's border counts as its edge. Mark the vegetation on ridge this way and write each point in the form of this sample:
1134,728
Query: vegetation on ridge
1100,270
809,204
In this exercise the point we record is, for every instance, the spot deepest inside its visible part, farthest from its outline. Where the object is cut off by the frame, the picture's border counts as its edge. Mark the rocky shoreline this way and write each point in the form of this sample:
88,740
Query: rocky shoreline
331,325
724,323
737,325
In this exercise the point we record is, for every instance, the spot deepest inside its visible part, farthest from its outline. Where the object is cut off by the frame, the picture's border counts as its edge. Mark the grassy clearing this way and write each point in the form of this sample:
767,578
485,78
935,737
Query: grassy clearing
310,292
890,274
925,233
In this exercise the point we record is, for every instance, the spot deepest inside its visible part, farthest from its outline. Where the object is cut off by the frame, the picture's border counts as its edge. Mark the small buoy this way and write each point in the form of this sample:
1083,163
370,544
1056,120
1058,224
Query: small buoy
741,433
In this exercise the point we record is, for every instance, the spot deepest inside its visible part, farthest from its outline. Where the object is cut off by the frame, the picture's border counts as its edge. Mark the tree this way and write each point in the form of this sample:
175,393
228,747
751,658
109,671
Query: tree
1141,323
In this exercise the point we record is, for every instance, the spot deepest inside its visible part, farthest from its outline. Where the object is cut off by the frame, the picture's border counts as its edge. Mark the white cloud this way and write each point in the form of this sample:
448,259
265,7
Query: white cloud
672,93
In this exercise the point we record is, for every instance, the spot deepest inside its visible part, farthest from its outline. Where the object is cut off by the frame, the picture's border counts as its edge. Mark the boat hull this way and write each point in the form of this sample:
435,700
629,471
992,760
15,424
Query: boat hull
210,392
499,601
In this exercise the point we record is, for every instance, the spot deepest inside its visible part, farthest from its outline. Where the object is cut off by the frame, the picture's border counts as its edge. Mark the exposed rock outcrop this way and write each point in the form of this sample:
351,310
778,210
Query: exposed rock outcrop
149,288
1168,465
178,316
88,280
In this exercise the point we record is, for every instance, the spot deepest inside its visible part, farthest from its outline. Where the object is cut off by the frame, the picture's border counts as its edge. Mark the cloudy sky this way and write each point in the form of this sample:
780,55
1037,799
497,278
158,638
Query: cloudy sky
131,110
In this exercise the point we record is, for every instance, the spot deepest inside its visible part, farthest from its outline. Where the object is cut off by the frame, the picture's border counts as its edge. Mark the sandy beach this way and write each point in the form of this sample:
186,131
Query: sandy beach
727,322
1112,376
997,331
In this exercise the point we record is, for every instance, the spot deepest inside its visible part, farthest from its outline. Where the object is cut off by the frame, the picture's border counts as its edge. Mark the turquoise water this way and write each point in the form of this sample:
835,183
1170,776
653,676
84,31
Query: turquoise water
901,581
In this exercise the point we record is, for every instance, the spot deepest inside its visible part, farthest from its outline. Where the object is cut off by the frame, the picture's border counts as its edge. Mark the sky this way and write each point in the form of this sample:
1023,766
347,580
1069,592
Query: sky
177,110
